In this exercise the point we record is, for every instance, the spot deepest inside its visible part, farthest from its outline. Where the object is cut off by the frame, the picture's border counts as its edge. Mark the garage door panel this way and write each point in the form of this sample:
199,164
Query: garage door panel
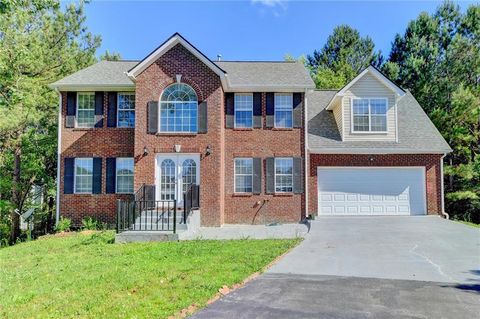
371,191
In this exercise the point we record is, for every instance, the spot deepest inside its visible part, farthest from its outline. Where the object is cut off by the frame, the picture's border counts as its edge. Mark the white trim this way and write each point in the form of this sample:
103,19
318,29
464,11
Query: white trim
174,40
342,133
373,150
424,178
93,87
75,175
442,186
134,109
370,132
116,175
59,155
235,110
306,155
396,119
275,109
378,75
235,175
76,109
267,88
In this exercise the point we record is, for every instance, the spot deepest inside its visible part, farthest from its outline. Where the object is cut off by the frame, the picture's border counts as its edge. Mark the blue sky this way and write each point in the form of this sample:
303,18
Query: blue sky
246,30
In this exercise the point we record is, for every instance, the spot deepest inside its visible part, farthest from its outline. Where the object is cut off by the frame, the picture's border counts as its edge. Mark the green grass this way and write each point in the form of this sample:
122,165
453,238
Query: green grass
468,223
85,276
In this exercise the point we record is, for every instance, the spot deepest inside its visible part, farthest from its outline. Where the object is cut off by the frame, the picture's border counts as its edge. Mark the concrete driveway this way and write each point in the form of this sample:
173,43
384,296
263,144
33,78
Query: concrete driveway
425,248
367,267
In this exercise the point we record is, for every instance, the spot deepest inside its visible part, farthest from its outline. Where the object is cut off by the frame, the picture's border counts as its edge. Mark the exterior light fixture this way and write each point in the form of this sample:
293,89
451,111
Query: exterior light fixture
370,158
178,148
208,150
145,151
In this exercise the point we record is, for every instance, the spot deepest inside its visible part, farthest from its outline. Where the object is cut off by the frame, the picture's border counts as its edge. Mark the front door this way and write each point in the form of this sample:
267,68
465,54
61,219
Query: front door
175,172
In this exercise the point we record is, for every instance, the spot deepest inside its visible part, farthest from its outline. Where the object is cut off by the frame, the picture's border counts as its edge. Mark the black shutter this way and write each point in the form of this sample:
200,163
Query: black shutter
98,109
270,101
202,117
270,176
152,117
112,109
257,176
71,109
97,175
68,171
298,175
111,173
297,110
257,110
229,110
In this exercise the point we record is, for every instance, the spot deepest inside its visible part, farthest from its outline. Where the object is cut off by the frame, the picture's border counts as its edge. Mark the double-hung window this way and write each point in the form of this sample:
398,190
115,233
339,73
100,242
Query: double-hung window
243,110
369,115
243,175
283,110
283,174
85,109
124,175
126,110
83,175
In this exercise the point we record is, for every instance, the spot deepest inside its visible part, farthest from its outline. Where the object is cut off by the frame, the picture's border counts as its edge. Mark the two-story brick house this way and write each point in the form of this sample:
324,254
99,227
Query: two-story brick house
262,144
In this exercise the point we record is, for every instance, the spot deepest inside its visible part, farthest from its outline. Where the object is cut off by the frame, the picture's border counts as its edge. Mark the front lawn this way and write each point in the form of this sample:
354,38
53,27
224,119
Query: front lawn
469,223
85,276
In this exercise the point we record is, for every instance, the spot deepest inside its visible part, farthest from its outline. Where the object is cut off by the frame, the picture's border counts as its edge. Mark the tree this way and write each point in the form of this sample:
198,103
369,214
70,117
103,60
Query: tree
39,43
438,60
342,58
114,56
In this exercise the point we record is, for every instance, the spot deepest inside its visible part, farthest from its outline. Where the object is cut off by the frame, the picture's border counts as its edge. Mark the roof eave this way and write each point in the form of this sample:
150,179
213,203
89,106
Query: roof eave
91,87
375,150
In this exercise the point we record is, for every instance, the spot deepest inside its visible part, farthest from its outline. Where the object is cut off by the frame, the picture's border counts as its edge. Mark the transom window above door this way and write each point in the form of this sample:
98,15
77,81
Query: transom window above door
179,109
369,115
243,106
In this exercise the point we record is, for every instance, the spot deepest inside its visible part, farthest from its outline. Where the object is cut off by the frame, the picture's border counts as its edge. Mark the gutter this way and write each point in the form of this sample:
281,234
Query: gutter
59,141
306,168
443,187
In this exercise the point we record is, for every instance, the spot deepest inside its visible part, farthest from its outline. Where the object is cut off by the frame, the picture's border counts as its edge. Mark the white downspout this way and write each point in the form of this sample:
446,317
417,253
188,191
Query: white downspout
443,188
59,141
306,168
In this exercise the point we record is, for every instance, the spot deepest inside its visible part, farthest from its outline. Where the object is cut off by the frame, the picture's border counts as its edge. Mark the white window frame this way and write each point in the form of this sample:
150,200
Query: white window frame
116,174
160,102
75,175
283,110
369,115
275,174
235,110
235,174
77,108
118,109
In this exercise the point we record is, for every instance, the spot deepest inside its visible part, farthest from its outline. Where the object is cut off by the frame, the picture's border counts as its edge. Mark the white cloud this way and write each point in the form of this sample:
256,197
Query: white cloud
277,7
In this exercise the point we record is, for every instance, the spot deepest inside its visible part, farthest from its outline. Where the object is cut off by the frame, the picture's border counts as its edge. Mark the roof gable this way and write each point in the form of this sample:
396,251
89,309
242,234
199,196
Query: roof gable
398,91
167,45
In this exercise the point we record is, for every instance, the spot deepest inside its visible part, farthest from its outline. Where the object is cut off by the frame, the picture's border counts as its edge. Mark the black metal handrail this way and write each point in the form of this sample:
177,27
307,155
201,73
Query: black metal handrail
191,200
146,215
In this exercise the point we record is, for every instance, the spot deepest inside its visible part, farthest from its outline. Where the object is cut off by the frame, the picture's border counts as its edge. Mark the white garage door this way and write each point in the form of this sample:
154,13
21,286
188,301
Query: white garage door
371,191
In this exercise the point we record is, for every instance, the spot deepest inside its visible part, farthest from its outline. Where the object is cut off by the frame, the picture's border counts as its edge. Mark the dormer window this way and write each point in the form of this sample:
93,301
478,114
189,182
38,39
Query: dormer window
369,115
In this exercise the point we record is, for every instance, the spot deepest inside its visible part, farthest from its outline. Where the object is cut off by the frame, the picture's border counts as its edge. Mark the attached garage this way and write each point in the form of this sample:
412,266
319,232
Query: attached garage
371,191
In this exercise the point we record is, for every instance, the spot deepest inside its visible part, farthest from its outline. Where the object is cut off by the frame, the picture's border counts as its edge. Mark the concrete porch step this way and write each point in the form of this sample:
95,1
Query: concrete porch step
153,226
144,236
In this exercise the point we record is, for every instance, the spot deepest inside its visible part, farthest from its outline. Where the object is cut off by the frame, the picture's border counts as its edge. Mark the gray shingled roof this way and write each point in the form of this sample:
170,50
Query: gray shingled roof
272,74
416,133
240,74
103,73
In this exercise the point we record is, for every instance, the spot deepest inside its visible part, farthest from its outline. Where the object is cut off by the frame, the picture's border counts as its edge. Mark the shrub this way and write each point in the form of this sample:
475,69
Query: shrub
64,224
90,223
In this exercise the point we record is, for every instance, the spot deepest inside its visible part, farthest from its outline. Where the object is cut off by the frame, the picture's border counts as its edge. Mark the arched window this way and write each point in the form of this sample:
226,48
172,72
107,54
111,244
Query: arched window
189,173
178,109
167,180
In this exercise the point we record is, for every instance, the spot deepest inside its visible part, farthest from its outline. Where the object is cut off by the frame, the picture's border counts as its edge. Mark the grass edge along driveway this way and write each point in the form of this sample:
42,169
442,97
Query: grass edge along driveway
86,276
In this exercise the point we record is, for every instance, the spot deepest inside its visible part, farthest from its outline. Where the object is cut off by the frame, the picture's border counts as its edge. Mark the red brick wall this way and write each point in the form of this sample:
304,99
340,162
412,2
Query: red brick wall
261,142
431,162
92,142
149,86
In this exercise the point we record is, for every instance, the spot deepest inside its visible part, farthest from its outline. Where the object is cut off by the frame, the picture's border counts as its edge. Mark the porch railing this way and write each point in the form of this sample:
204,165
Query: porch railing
146,215
191,200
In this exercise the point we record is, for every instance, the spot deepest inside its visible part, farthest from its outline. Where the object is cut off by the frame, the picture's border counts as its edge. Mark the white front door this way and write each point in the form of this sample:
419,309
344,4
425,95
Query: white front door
174,173
371,191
